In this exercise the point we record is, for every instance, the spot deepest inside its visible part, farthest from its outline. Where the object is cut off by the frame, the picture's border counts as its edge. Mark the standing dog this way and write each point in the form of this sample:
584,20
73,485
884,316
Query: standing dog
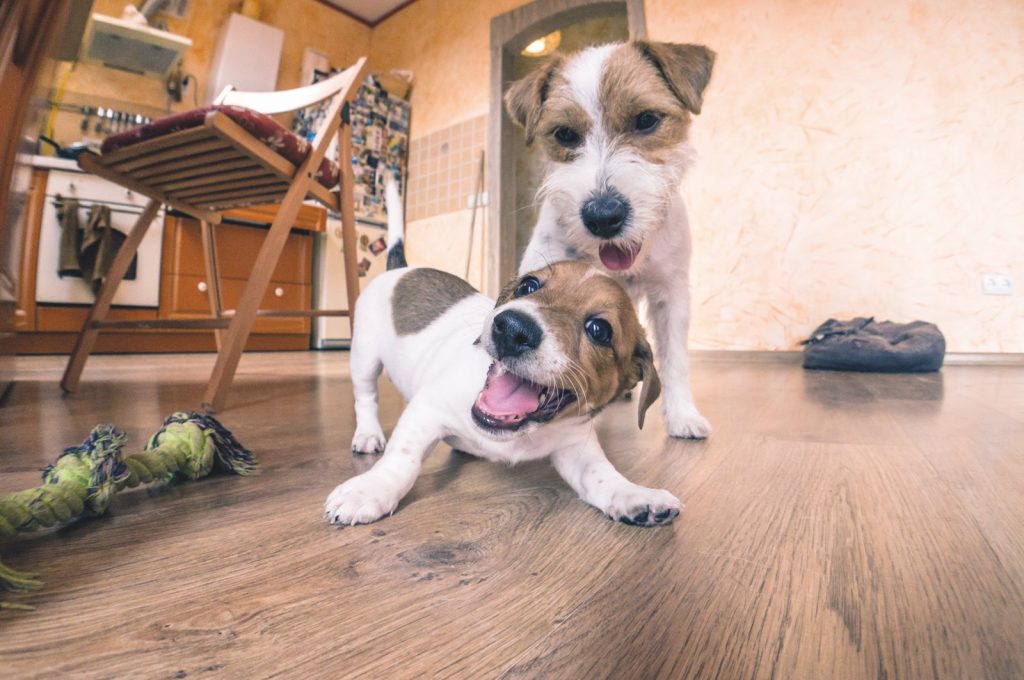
613,121
557,346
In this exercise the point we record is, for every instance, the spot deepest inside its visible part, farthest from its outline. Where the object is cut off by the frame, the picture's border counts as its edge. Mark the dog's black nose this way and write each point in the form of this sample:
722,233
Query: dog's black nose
605,214
514,333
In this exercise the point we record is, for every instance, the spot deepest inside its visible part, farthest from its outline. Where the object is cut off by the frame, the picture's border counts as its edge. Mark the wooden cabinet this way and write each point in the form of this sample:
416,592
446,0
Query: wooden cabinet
28,34
51,329
184,287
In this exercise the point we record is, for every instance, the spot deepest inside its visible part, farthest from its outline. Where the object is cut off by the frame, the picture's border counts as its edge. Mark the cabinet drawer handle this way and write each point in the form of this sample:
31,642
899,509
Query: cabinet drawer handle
279,292
202,287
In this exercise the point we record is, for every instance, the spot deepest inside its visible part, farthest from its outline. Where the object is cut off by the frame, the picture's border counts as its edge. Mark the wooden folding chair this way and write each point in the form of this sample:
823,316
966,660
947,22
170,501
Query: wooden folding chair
213,167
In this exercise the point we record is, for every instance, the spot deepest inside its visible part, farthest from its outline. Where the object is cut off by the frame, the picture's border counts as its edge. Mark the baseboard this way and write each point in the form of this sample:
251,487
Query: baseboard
746,355
790,357
984,358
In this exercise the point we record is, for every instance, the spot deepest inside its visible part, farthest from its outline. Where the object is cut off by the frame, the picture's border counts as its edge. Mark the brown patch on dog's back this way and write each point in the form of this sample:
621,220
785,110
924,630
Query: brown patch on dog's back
422,295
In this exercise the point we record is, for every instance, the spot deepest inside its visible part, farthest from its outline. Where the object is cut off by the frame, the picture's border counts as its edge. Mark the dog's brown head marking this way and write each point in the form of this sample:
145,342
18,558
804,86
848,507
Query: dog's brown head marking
525,98
686,69
646,93
592,321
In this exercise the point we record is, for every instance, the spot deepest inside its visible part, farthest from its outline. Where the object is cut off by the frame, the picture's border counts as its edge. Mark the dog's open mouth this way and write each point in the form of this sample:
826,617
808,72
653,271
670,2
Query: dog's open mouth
508,401
618,258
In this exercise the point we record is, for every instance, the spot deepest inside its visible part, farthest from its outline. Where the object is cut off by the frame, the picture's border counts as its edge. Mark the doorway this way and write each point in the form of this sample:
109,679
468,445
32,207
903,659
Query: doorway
520,40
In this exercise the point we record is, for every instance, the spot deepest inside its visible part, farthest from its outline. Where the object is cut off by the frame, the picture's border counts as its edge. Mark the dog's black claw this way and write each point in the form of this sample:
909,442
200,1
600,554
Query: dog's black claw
648,518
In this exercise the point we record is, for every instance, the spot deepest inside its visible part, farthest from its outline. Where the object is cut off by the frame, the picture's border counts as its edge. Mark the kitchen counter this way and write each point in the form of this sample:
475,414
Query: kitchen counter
53,163
171,283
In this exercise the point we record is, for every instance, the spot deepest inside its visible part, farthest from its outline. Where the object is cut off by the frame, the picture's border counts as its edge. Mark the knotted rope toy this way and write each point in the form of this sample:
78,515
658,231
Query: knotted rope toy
84,479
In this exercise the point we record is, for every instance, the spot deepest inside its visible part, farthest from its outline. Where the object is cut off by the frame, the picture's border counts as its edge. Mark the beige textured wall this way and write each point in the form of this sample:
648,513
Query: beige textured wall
856,157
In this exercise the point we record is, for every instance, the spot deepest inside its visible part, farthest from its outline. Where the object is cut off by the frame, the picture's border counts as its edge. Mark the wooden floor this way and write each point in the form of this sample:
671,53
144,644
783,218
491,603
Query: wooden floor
837,526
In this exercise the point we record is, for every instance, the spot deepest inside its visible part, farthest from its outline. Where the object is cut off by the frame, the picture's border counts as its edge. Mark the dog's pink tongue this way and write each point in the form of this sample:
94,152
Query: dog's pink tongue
617,258
509,396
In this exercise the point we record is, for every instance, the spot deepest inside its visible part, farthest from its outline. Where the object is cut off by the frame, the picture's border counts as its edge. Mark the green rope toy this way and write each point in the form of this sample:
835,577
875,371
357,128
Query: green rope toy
84,479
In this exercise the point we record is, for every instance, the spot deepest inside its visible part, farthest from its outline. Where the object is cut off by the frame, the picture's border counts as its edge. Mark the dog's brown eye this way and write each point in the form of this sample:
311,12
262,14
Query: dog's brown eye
647,122
567,137
528,285
599,330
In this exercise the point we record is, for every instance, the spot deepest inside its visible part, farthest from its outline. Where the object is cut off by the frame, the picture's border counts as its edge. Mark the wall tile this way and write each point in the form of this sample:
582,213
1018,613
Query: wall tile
443,168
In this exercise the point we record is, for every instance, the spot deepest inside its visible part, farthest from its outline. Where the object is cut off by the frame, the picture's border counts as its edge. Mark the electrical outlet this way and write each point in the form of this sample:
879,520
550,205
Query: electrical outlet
471,199
996,284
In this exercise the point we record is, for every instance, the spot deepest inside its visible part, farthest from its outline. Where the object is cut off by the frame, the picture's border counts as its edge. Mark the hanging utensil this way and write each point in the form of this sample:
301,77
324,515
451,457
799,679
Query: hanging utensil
99,119
72,152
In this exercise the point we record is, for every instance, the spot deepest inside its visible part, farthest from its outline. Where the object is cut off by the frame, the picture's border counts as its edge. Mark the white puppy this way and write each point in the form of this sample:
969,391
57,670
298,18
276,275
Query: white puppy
613,121
510,381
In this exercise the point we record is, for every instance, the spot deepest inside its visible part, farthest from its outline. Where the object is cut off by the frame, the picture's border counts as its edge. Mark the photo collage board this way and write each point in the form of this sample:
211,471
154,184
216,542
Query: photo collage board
380,143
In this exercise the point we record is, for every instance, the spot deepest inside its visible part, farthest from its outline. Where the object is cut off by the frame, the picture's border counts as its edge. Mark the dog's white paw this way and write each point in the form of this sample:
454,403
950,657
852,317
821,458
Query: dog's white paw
361,500
687,423
369,440
643,507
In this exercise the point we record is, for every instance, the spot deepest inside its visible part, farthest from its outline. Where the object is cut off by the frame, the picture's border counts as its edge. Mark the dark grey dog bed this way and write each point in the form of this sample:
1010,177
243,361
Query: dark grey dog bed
862,344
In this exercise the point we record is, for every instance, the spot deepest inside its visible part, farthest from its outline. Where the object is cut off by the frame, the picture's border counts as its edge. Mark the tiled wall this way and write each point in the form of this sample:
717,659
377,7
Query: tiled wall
443,168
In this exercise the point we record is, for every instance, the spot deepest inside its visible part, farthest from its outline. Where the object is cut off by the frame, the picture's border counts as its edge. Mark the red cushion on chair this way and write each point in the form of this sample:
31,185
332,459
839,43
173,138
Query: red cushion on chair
282,141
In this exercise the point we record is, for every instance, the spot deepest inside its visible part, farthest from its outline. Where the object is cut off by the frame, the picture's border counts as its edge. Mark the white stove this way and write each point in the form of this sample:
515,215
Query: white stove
125,206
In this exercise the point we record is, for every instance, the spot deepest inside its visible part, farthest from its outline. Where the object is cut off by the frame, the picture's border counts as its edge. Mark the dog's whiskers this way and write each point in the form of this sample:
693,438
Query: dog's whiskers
577,376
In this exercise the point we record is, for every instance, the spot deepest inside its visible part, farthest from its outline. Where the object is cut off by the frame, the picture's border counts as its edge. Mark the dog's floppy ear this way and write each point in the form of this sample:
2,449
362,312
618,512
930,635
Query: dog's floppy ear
643,359
685,68
525,98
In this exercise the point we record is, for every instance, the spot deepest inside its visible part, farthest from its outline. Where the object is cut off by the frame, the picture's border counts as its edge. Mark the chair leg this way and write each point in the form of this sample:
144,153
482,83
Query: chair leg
213,276
348,222
245,314
86,340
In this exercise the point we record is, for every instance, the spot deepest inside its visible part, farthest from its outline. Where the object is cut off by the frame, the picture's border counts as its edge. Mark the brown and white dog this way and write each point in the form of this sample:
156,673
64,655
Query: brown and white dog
613,121
512,380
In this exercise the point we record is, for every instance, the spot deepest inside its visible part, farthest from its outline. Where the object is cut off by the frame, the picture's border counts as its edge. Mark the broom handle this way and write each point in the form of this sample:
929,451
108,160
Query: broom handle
472,216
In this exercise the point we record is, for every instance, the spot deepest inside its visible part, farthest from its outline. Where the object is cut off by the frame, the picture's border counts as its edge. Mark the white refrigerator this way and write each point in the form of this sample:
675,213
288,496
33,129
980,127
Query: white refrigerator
335,332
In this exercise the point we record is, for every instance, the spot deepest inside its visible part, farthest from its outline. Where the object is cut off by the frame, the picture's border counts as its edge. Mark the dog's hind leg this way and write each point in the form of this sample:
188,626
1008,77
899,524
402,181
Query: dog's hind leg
365,368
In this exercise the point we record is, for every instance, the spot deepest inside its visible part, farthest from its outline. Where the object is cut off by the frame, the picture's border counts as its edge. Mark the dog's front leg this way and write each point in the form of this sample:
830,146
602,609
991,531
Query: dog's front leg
368,497
586,469
545,245
668,311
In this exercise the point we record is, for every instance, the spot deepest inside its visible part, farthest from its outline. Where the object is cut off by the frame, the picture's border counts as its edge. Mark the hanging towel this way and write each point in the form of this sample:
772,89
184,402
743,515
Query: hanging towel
67,215
100,243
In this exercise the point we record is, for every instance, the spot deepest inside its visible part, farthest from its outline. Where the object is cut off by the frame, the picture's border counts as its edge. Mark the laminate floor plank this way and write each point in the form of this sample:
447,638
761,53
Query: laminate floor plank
836,526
